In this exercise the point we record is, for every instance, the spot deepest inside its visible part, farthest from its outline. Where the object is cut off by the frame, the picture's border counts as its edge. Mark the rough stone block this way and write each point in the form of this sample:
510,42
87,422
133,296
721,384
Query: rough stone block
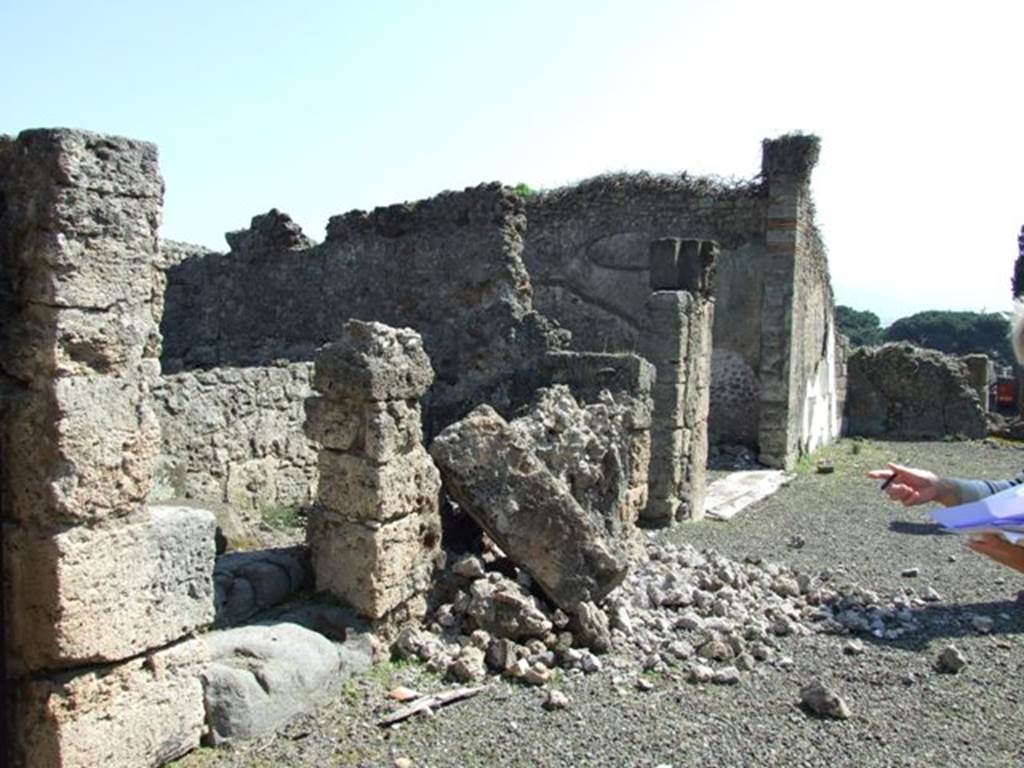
664,264
696,266
372,361
374,567
81,451
496,477
104,594
379,430
357,488
665,337
668,458
144,712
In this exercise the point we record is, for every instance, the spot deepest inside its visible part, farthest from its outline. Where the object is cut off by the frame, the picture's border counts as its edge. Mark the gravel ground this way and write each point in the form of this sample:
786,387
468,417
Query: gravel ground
903,712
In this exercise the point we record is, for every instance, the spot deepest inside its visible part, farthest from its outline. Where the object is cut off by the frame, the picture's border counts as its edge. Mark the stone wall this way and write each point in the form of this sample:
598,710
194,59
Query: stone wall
586,251
99,591
234,435
900,391
449,267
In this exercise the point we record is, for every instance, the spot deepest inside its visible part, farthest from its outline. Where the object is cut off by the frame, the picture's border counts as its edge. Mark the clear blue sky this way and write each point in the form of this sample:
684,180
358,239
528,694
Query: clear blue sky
320,107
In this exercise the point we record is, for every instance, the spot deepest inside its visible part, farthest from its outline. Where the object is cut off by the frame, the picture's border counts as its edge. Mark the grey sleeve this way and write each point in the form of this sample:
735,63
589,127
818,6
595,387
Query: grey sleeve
972,490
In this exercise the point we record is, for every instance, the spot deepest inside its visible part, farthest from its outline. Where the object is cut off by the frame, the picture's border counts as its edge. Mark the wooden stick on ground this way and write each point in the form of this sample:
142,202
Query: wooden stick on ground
425,704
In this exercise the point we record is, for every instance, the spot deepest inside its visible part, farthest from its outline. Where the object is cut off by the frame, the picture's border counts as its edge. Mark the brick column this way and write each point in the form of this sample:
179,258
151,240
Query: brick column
677,340
375,533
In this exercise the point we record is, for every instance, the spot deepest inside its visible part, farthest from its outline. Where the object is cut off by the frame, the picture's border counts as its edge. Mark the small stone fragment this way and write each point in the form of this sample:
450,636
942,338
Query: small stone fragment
726,676
853,647
701,673
555,700
982,623
931,596
910,572
951,660
823,702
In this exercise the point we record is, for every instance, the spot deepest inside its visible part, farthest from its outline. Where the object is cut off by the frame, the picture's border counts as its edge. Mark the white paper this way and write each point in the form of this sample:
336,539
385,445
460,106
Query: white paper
1001,513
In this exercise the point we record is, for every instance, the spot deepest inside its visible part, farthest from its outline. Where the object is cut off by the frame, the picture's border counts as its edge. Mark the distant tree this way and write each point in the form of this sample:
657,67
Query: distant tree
957,333
1018,266
861,326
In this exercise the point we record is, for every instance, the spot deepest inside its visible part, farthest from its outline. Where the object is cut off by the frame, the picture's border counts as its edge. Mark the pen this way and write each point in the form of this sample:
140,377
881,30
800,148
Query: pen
888,480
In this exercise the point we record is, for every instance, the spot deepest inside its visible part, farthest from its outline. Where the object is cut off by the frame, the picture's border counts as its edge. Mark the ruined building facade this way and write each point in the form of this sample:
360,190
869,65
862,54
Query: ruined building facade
491,279
133,369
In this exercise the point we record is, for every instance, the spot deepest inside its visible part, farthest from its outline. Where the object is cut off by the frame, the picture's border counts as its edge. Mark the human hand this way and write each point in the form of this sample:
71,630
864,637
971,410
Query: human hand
999,549
911,486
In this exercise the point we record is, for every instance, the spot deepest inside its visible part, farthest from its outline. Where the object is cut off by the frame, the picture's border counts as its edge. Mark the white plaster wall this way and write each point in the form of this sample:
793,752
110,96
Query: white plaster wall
821,419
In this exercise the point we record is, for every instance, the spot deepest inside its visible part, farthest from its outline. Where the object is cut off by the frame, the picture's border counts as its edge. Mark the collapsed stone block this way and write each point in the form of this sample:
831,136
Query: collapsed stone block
372,361
92,595
145,711
374,567
491,470
80,450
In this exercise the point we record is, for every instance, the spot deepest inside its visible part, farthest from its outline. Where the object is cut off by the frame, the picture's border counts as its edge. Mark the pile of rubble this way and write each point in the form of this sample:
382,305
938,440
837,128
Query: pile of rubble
704,614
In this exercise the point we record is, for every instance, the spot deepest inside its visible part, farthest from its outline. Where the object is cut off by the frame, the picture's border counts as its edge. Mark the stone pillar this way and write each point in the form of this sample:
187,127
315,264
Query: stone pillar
375,533
786,166
95,583
677,340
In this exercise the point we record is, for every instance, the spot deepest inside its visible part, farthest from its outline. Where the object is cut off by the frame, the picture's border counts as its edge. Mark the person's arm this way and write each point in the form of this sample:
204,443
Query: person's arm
911,486
972,490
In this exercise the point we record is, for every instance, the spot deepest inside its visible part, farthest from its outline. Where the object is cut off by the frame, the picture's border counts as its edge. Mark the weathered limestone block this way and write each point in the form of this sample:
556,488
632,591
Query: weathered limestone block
379,430
262,676
80,450
493,473
80,252
374,567
358,488
143,712
103,594
373,361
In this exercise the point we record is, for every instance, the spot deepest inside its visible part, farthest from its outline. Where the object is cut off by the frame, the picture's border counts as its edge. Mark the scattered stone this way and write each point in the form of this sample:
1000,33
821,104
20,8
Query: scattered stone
643,684
537,674
403,762
726,676
701,673
930,595
555,699
983,624
823,702
910,572
853,647
951,660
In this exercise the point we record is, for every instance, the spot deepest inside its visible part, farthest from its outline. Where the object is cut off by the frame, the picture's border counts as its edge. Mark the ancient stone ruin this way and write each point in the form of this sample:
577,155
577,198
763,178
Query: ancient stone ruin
904,392
531,377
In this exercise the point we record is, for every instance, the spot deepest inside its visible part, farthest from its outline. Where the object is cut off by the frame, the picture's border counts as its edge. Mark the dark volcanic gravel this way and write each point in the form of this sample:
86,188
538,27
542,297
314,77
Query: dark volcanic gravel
903,711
